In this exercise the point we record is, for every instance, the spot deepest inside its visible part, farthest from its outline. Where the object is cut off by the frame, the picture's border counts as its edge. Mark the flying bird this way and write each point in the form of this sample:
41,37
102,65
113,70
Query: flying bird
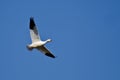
37,43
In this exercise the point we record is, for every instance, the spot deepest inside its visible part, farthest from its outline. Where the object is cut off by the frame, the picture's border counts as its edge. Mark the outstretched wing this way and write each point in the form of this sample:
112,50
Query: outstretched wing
33,31
45,51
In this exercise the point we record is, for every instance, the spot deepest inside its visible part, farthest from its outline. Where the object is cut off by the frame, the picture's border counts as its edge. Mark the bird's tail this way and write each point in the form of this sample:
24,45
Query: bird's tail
29,48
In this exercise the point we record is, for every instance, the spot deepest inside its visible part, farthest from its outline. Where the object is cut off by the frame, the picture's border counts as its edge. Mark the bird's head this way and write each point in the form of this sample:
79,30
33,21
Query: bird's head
49,40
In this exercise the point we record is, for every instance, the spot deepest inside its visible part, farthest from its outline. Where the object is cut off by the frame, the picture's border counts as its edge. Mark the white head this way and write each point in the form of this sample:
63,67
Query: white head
48,40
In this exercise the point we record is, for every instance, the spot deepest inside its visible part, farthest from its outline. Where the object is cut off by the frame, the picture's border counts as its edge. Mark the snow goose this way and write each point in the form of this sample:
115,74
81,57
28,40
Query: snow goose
37,43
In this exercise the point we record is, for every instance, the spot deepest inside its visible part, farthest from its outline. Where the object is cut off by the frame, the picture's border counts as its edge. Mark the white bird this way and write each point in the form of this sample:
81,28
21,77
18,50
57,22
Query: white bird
37,43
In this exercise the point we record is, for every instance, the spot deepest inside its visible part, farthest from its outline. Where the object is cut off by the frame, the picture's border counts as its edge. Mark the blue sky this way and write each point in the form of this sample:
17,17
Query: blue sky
85,38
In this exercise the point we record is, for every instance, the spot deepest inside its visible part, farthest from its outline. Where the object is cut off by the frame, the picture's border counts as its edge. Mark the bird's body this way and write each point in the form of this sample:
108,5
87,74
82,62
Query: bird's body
37,44
36,41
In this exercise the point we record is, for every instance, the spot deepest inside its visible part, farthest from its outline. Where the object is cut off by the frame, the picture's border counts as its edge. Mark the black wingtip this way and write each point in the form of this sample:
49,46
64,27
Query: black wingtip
50,55
32,23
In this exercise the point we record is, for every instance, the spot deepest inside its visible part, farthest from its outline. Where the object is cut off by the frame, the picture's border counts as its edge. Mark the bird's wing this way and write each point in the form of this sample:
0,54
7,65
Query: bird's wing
33,31
45,51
